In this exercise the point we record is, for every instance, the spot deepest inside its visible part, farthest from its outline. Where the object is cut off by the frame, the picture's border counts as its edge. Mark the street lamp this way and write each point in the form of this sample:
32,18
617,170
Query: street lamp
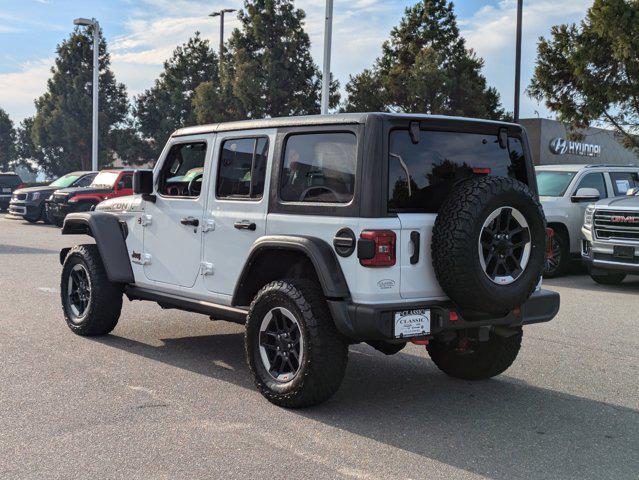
520,7
221,15
326,75
85,22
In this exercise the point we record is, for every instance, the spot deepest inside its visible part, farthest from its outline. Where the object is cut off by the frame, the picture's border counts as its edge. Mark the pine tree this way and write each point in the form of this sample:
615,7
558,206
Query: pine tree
590,73
168,105
274,73
62,126
7,141
425,67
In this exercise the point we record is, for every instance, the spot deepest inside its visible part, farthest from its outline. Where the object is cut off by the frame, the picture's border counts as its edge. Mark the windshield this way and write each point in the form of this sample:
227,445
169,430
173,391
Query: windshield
105,179
553,184
65,181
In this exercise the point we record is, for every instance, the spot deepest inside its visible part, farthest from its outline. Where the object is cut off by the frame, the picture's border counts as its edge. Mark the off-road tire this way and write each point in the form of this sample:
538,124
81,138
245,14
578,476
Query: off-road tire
609,278
325,356
564,248
455,244
487,360
105,304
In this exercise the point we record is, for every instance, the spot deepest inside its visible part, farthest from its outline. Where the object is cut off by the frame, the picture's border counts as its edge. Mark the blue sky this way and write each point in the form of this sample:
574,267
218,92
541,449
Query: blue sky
143,33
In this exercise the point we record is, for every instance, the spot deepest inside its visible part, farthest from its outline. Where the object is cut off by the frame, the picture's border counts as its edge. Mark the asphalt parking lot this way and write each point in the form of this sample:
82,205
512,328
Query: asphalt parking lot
168,395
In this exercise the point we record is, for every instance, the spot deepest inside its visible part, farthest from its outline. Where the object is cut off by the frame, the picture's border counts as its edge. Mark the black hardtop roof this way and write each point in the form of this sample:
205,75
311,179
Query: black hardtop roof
318,120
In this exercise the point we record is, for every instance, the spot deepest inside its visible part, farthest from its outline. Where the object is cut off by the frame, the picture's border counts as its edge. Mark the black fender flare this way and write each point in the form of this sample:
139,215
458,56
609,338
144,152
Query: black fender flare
319,252
106,230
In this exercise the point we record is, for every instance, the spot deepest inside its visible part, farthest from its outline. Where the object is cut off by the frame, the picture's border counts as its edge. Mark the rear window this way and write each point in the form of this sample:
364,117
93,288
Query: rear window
10,181
421,175
319,168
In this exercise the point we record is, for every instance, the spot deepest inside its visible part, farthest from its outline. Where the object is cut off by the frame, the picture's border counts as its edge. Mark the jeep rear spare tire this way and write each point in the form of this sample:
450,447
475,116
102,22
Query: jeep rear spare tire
488,244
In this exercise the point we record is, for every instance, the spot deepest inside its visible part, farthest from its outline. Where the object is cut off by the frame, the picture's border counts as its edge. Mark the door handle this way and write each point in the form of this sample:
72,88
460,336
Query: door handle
246,225
190,221
415,239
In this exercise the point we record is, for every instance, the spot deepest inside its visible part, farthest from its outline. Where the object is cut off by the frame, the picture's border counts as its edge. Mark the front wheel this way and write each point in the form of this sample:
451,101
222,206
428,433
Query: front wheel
293,349
91,303
609,278
469,359
557,261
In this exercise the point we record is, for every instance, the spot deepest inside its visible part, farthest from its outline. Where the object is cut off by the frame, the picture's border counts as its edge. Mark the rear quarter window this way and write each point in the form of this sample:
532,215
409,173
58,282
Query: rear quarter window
319,168
421,175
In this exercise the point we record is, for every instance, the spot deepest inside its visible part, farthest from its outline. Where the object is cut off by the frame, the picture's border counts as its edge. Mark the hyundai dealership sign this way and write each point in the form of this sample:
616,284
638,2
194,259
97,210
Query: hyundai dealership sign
562,146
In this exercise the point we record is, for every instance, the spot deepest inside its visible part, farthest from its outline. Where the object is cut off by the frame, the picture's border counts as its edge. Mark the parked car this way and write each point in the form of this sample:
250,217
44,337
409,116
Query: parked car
611,239
9,182
319,232
29,203
565,191
106,184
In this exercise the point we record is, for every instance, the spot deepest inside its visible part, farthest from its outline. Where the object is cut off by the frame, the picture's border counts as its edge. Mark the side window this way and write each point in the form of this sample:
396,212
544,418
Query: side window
623,181
85,181
126,182
242,168
182,171
594,180
319,168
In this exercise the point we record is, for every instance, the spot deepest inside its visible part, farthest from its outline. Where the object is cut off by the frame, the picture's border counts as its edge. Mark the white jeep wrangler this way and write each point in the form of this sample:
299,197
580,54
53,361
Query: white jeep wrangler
319,232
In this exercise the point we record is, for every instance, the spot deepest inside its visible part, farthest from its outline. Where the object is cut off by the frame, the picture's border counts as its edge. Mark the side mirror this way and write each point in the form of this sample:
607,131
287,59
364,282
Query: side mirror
632,191
143,182
585,195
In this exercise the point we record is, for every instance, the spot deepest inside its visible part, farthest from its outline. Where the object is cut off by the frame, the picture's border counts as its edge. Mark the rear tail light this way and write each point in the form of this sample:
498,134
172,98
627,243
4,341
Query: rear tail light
481,171
376,248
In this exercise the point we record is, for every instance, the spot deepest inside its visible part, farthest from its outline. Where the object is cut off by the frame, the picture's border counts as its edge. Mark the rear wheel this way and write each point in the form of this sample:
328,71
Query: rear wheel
295,353
609,278
91,303
469,359
557,262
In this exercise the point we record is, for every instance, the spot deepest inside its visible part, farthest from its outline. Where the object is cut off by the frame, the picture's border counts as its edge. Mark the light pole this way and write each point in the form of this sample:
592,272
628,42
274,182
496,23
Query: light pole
328,39
85,22
221,15
520,7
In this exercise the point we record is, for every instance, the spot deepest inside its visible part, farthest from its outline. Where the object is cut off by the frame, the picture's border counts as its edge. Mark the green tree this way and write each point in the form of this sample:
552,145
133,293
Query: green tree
168,105
27,154
274,73
425,67
7,141
590,73
61,130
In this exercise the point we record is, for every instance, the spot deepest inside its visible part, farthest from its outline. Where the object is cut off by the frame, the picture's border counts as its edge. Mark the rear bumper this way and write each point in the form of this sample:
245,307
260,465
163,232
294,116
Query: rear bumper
375,322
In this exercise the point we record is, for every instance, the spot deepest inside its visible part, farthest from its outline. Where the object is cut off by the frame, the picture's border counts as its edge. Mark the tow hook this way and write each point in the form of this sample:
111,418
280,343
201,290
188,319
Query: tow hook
463,347
420,342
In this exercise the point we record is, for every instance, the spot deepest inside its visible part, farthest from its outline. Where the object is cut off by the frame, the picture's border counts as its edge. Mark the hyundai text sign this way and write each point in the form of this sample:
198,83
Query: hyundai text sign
561,146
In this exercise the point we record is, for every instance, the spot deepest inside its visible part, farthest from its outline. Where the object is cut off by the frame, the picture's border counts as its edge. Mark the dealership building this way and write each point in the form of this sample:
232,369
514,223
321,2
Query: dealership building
550,144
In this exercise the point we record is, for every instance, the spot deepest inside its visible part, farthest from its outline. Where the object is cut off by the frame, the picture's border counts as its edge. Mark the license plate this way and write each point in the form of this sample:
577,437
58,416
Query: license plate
6,190
624,251
412,323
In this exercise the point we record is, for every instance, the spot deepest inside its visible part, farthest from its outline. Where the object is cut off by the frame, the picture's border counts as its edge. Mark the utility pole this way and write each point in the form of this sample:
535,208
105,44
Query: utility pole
221,15
96,87
326,74
520,7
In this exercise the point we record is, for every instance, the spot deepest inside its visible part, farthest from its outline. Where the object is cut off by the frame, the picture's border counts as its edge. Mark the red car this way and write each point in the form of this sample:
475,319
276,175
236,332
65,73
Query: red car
107,184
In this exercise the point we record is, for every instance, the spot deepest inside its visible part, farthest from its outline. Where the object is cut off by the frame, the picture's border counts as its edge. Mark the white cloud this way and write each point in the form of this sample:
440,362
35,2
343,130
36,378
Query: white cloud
491,33
18,90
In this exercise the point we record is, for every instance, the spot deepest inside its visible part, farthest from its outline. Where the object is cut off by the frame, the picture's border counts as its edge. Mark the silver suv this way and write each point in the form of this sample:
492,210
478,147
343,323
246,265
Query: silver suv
565,191
610,246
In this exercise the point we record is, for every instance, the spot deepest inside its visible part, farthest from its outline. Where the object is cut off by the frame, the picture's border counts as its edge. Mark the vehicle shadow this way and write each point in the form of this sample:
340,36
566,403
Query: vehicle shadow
22,250
502,428
583,282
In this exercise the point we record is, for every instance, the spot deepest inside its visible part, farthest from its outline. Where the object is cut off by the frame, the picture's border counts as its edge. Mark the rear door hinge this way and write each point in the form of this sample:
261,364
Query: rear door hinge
145,220
208,225
206,268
